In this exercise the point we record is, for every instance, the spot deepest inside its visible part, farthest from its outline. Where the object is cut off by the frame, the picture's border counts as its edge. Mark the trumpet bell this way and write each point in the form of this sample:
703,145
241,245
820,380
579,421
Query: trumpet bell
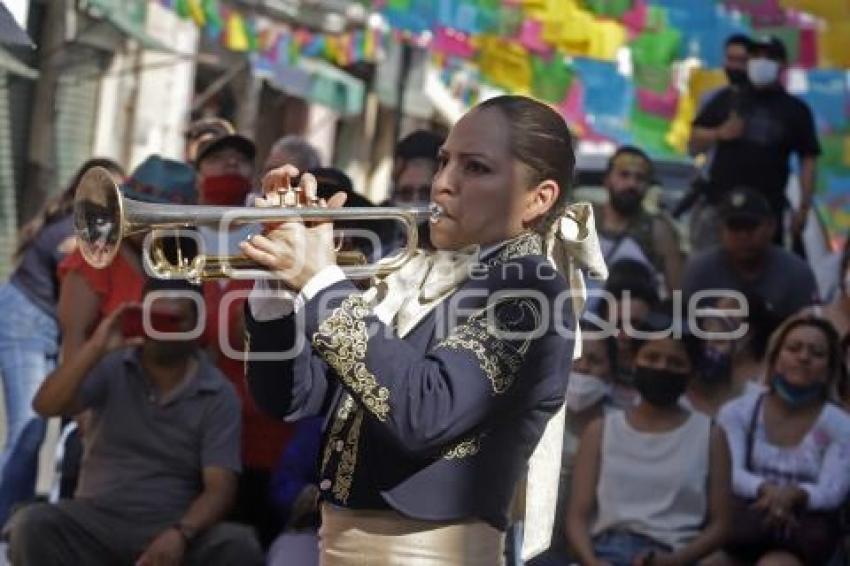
98,217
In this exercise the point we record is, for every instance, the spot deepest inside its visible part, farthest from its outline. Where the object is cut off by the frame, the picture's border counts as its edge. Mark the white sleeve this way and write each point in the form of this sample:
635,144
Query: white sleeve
833,482
270,299
735,419
319,282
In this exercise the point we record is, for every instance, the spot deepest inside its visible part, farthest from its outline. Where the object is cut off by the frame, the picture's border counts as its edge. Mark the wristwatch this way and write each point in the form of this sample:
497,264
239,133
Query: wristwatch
187,531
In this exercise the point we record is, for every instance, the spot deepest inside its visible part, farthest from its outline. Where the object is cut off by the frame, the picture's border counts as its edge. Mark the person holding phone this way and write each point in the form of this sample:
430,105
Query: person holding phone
162,454
87,295
29,335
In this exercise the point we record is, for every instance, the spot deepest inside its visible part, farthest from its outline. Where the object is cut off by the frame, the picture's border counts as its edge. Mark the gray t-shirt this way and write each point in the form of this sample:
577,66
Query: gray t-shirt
144,457
36,276
786,284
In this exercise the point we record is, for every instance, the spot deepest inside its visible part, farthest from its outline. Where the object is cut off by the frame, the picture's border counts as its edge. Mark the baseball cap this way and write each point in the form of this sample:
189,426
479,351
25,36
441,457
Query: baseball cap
771,46
744,205
216,142
209,126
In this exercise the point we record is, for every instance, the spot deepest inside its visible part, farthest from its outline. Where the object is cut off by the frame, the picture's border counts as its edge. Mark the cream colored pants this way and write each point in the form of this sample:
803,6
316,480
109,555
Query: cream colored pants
387,538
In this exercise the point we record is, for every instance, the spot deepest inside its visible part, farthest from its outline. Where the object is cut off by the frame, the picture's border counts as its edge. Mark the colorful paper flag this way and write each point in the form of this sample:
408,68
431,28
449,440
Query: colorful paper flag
182,9
551,78
236,38
196,12
212,15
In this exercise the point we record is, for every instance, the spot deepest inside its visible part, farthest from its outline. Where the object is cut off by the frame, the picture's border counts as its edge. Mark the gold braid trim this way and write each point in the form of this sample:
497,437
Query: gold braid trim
341,340
526,244
348,459
463,449
499,359
340,419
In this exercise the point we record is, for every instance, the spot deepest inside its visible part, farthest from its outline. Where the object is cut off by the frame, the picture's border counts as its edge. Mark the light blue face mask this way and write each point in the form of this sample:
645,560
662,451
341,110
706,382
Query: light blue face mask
762,71
584,391
797,395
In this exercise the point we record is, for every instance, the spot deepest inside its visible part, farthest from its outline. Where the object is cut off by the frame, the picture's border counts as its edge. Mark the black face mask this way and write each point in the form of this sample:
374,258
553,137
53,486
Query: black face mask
660,387
626,202
737,77
170,352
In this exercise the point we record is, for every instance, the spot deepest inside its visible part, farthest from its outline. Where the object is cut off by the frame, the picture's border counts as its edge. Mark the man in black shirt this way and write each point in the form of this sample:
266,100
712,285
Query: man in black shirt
754,130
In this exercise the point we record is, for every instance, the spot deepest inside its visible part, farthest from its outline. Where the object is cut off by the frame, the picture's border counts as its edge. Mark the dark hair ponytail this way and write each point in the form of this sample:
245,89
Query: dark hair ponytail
60,205
541,139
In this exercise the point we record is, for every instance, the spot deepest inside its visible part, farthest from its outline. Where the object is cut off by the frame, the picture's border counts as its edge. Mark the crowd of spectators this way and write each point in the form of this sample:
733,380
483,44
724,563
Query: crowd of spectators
673,429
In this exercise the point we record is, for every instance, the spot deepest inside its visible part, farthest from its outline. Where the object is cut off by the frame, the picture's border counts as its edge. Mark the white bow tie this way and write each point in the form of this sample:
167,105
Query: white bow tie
447,270
404,297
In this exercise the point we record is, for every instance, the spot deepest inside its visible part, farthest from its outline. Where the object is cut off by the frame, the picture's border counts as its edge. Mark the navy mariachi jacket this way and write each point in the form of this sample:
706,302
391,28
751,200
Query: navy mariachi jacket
438,425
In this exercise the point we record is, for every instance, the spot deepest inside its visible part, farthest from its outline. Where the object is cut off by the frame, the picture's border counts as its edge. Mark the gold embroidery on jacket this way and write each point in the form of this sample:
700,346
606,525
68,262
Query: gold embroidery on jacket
342,414
463,449
527,243
341,340
348,459
500,359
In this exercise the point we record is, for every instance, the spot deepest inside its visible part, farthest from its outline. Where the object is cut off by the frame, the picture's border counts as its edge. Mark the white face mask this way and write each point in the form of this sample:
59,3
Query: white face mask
762,71
585,390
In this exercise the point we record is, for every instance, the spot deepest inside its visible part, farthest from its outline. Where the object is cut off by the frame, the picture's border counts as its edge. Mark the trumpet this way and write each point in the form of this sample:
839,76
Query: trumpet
103,217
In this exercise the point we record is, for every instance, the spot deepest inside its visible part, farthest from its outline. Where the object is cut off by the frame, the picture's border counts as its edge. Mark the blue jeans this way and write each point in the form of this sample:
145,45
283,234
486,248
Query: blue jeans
620,548
28,352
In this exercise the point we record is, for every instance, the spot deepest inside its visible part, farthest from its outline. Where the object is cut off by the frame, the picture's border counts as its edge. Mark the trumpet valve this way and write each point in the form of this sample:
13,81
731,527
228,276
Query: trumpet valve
296,197
310,196
288,198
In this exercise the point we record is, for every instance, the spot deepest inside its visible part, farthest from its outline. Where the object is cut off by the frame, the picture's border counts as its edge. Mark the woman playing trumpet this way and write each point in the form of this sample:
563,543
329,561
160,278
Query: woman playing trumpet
439,380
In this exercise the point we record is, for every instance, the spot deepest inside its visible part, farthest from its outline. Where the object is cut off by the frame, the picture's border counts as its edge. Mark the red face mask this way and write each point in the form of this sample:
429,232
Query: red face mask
225,190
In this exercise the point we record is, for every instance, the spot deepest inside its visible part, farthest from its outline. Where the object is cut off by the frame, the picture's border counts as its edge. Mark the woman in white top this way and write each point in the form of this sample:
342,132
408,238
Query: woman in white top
651,484
791,451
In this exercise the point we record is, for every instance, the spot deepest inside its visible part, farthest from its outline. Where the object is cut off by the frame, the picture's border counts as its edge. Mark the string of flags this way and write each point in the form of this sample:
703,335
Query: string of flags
635,71
240,31
628,71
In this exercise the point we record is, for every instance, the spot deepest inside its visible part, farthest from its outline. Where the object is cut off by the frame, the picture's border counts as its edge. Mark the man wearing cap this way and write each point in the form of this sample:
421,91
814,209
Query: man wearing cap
754,133
747,261
225,166
203,130
225,172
